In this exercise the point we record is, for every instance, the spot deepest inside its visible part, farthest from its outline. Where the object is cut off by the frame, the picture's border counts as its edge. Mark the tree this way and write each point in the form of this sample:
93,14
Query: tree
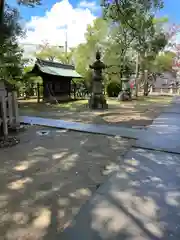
48,52
117,52
172,32
66,57
163,63
138,20
126,11
149,41
30,3
11,60
82,61
84,54
55,53
29,81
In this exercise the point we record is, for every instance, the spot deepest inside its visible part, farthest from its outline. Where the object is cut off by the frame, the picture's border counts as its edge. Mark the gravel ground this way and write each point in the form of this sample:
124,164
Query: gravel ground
47,177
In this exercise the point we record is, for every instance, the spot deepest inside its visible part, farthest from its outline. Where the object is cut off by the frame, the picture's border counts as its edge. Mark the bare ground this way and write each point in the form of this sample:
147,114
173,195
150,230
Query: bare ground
129,114
45,179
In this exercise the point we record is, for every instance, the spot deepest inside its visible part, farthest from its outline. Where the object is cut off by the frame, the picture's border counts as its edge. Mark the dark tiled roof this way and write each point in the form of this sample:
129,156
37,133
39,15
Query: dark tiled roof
55,68
54,64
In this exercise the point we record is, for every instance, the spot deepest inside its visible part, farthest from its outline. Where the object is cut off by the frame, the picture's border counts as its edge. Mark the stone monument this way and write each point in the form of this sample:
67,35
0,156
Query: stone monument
125,94
97,99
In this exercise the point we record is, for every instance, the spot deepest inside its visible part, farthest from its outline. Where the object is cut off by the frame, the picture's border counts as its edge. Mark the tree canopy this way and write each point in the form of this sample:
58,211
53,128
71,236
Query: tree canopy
11,60
31,3
128,35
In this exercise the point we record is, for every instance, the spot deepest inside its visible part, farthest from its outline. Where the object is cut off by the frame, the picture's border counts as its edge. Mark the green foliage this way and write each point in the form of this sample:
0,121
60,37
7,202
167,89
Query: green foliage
29,82
27,69
11,61
84,54
137,18
30,3
53,53
158,42
150,39
130,28
119,42
113,89
133,15
117,50
162,63
160,20
29,77
142,30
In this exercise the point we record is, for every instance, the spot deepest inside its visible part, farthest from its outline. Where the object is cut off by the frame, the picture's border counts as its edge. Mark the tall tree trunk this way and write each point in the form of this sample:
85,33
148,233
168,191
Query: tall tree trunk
146,90
144,70
141,68
1,12
145,76
136,75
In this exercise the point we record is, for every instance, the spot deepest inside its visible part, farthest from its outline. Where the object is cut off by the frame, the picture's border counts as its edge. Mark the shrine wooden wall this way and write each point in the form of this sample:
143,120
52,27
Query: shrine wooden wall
57,86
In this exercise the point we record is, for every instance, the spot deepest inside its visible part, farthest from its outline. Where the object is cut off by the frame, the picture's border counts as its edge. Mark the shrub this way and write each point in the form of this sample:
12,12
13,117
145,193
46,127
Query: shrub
113,89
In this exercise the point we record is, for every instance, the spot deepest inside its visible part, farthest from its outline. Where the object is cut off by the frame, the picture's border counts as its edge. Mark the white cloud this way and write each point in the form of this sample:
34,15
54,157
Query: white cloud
51,27
89,5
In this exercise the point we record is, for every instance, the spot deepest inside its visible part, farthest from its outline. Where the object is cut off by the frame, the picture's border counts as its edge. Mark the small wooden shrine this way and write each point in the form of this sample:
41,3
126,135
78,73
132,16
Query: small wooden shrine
56,78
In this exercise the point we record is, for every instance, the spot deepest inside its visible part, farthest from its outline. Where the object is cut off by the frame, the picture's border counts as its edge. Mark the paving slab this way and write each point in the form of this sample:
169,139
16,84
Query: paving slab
89,128
176,100
163,134
174,107
140,202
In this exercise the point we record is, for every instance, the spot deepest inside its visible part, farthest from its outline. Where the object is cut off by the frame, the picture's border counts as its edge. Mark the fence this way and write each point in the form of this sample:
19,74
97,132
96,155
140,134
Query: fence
31,92
9,114
168,91
36,92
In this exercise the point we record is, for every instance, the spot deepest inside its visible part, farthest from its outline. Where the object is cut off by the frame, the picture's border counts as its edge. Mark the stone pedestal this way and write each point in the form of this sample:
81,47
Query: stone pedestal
97,99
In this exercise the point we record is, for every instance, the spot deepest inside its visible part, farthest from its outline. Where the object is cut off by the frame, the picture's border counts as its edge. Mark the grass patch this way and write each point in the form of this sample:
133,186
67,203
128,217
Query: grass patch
32,107
74,105
155,99
142,101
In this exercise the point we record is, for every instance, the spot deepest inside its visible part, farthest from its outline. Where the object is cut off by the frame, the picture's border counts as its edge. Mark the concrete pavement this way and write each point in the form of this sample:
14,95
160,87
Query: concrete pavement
83,127
164,133
141,201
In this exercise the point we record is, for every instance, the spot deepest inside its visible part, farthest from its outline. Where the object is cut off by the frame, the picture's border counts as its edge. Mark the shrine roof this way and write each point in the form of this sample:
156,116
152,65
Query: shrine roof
55,68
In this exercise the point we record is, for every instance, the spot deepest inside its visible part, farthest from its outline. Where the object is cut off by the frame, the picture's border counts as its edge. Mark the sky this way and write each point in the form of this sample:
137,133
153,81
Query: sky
171,10
47,23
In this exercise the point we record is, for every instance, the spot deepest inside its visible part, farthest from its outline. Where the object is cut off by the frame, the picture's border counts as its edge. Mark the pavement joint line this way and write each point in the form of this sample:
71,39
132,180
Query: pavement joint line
171,112
134,135
76,130
155,149
134,138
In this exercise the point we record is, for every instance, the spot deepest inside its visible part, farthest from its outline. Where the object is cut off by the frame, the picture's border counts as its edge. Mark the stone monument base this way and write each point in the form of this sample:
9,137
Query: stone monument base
98,101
